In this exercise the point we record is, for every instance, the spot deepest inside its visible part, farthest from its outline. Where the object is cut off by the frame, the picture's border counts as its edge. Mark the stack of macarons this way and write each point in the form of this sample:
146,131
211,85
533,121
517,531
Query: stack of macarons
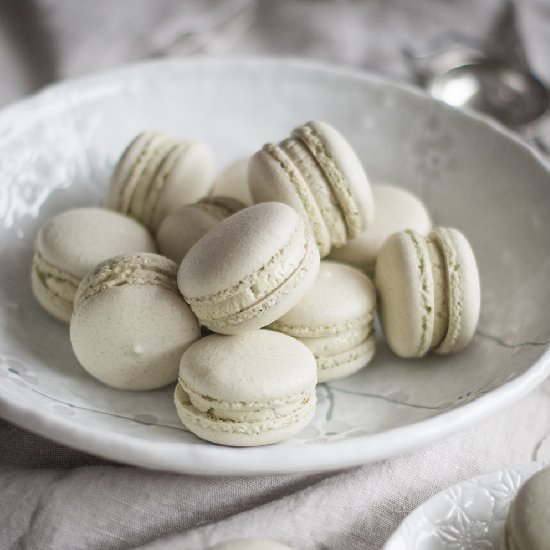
275,257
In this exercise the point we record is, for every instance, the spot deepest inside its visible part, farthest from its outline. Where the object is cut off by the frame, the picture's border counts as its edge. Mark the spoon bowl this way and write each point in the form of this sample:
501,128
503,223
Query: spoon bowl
514,97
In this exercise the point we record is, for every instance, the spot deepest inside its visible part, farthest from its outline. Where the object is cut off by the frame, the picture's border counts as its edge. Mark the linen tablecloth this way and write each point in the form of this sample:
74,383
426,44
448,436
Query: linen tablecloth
52,497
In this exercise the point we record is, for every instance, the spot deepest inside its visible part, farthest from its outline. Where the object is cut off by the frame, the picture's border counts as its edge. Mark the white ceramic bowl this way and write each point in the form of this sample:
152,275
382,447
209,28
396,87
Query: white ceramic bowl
57,150
469,515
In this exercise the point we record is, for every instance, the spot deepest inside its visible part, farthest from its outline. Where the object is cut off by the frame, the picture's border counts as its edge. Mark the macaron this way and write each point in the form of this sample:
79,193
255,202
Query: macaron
181,229
317,173
255,388
130,325
156,175
335,320
528,522
70,244
251,544
395,209
249,269
429,292
233,182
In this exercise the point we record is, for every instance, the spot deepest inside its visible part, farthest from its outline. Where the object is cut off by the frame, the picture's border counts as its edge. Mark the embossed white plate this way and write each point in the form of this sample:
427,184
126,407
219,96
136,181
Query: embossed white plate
57,150
469,515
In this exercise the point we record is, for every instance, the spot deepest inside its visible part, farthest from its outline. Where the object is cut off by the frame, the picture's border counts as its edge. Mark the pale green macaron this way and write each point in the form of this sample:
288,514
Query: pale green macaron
395,209
429,292
130,325
528,523
249,269
156,175
70,244
256,388
181,229
335,320
233,182
317,173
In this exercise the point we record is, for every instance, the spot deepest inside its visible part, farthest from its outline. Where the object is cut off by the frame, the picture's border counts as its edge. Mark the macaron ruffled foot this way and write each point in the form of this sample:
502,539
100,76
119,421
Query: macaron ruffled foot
252,389
335,320
130,325
72,243
250,269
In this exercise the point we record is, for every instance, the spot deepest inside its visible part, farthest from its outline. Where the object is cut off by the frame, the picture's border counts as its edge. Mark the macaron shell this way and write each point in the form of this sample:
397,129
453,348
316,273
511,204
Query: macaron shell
181,229
273,176
233,182
395,209
133,269
219,207
55,295
406,294
351,188
340,299
132,337
77,240
241,245
70,244
189,179
277,302
331,367
133,159
463,287
528,522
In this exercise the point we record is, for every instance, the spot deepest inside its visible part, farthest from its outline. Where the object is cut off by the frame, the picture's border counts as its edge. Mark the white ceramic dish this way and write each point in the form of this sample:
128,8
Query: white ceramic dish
469,515
57,150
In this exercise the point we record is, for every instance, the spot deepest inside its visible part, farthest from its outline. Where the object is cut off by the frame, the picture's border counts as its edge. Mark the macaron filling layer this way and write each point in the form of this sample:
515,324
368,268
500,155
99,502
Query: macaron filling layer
305,196
453,284
132,270
247,419
232,304
143,147
338,183
319,331
343,348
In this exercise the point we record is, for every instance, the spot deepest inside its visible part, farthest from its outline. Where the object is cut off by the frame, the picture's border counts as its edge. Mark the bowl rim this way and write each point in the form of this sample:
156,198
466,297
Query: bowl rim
218,460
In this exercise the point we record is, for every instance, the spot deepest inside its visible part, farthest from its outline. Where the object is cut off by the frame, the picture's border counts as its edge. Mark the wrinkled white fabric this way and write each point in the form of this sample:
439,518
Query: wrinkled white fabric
52,497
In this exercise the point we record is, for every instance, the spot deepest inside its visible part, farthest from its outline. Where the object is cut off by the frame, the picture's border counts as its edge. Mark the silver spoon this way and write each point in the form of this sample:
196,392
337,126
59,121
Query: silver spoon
464,75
